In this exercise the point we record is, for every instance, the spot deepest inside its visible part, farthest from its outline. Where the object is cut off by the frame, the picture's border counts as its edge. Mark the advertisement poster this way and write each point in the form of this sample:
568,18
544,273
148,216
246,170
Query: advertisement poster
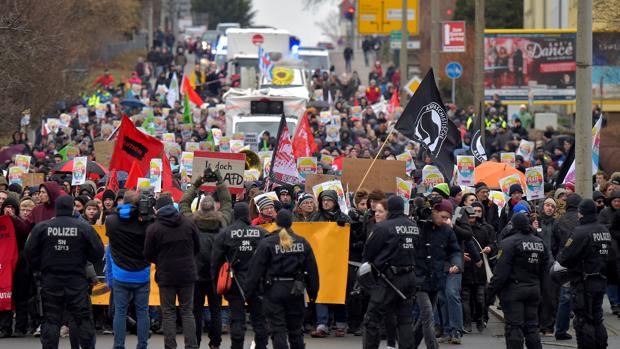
187,160
333,185
534,186
23,162
506,182
524,64
406,157
605,66
431,176
508,158
465,165
403,189
79,170
526,149
306,166
155,174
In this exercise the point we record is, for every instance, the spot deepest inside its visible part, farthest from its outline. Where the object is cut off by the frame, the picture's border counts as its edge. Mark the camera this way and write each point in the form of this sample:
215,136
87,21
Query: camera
209,175
146,205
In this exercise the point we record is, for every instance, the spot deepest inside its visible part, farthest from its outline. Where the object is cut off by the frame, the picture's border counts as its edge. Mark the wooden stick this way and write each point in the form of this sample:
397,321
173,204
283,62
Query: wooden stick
373,162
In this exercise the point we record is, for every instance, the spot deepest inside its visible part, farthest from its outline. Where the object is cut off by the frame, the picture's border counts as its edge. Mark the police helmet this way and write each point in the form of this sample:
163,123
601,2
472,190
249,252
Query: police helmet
365,276
559,274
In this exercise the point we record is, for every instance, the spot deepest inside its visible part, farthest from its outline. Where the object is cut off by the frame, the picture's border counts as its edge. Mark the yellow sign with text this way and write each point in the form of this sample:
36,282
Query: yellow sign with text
384,16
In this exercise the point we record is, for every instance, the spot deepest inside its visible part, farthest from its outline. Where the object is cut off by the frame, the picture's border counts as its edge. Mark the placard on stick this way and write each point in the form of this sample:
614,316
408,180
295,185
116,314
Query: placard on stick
231,166
314,179
382,176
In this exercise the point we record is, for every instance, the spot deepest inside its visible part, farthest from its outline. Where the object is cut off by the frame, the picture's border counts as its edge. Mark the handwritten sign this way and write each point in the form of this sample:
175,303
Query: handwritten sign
231,166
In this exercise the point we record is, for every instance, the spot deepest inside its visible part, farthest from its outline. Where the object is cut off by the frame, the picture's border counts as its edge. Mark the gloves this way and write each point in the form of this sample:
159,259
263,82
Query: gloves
341,221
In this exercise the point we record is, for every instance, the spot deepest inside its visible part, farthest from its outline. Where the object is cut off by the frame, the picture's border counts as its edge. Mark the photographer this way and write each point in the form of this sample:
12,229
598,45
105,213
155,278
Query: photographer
222,197
126,230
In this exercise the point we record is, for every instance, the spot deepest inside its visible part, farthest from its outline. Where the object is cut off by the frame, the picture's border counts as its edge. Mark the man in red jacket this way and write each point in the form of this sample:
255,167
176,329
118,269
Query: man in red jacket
105,80
373,93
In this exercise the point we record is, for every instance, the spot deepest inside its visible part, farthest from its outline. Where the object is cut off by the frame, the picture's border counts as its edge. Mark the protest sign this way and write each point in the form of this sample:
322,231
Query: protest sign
266,167
192,146
534,183
251,139
408,159
526,149
509,158
79,170
23,162
156,173
225,144
333,185
52,125
332,133
356,112
506,182
15,175
431,176
236,145
403,189
325,117
70,152
217,135
187,162
186,131
498,198
262,155
172,149
144,183
32,180
65,119
100,110
306,166
327,159
252,175
382,175
103,152
314,179
168,137
231,166
465,165
466,189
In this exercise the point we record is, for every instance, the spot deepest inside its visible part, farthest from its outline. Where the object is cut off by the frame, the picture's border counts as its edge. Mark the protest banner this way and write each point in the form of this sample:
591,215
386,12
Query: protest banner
231,166
306,166
15,175
526,149
408,159
79,170
382,175
509,158
506,182
155,174
403,189
314,179
534,183
187,162
23,162
335,185
465,165
32,180
103,152
431,176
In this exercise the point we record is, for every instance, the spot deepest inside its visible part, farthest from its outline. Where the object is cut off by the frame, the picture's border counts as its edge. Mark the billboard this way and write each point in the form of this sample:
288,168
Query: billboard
453,36
605,66
530,65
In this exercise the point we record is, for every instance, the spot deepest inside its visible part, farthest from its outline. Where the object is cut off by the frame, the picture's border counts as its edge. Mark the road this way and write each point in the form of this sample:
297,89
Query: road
491,338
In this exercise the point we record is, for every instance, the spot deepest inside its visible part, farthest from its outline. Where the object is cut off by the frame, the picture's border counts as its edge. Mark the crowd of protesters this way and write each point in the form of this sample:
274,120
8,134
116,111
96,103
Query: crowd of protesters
364,126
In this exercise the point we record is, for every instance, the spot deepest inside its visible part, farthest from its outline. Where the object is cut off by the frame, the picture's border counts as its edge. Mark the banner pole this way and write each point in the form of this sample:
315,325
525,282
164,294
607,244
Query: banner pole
373,162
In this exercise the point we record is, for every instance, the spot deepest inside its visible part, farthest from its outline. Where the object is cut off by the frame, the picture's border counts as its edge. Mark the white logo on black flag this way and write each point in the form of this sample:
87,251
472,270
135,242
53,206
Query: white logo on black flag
477,148
425,121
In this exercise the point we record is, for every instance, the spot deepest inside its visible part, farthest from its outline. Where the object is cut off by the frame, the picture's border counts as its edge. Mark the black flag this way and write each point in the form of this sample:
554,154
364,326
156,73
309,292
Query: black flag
477,148
425,121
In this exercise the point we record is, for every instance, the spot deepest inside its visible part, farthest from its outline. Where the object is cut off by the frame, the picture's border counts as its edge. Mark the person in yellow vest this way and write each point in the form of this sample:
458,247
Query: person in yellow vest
197,79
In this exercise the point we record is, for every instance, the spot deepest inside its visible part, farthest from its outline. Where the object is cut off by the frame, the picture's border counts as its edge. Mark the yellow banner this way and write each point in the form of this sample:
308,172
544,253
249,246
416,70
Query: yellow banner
330,244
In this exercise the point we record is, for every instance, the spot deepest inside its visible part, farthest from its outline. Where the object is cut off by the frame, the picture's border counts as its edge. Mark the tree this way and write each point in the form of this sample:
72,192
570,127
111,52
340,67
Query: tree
220,11
330,26
501,14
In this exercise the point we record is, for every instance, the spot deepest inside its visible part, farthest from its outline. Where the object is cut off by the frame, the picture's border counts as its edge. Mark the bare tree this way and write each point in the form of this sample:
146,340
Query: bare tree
331,27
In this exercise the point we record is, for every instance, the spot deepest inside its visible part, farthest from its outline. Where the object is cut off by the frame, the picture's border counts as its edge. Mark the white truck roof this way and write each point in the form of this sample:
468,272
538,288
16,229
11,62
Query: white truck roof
240,41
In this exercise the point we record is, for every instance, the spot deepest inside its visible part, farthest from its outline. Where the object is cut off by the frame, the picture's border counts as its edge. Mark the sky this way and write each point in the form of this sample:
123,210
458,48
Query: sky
290,15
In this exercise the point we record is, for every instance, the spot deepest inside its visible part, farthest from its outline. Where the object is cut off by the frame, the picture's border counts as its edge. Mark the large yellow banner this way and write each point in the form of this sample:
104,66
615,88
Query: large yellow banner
330,244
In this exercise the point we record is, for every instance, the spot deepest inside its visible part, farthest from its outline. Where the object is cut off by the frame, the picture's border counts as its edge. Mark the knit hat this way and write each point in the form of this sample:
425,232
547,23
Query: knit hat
570,186
520,221
515,188
83,199
64,206
481,186
284,219
573,200
16,188
614,195
442,189
91,203
264,202
455,190
521,207
241,211
303,197
444,206
597,195
587,207
163,200
395,204
550,201
615,181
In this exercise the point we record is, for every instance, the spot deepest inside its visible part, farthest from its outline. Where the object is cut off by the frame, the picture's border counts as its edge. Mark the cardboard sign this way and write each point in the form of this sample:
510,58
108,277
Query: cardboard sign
314,179
103,152
382,176
534,183
32,180
231,166
509,158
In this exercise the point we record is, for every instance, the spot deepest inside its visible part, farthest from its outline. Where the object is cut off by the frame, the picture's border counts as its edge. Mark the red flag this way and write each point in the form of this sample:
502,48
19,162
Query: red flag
337,164
134,174
283,164
8,261
113,181
134,146
303,141
168,184
186,88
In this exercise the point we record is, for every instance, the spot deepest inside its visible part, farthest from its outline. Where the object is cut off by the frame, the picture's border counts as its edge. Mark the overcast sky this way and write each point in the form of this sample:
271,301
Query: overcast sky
290,15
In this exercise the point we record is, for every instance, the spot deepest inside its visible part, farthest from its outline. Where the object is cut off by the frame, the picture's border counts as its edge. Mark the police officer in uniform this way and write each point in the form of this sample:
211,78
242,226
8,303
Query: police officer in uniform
390,249
59,249
585,254
522,262
286,265
236,245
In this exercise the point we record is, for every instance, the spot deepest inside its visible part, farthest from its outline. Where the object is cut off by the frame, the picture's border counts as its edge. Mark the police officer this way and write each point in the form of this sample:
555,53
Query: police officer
584,254
236,245
391,250
59,249
286,264
522,262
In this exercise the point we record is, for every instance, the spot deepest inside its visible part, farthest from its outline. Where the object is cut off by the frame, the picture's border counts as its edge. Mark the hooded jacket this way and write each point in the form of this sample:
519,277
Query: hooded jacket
20,238
606,216
41,212
209,222
126,235
334,215
185,205
565,224
171,243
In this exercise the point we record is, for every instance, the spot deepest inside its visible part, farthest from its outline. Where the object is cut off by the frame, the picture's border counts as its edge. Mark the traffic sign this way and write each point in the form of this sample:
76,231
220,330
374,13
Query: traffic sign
257,39
454,70
453,36
412,85
382,17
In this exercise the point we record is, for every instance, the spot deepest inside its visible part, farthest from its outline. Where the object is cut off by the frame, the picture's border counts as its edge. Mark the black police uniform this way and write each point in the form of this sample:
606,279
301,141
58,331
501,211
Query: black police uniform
236,245
284,273
60,248
391,249
522,263
585,254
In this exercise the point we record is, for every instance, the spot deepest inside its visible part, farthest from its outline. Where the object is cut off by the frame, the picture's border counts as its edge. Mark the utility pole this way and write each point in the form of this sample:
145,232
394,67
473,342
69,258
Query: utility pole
435,28
583,127
174,20
149,25
403,54
479,64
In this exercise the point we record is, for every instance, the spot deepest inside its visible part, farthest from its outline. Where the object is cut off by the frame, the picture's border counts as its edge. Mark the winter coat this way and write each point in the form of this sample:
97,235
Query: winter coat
483,234
41,212
185,205
209,225
334,215
564,226
431,273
